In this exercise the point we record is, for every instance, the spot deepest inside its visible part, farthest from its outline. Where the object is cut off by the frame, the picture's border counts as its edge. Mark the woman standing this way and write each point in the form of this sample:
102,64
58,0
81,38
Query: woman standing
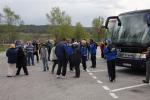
21,61
12,58
110,54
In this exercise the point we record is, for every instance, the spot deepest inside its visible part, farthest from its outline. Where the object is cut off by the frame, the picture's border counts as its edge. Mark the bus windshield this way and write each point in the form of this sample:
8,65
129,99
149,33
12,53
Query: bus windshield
133,30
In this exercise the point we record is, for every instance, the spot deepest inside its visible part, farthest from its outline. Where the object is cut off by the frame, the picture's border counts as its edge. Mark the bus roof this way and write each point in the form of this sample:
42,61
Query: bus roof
136,11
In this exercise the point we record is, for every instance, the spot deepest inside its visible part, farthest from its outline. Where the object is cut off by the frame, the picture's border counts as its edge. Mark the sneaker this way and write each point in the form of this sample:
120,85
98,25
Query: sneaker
145,81
58,76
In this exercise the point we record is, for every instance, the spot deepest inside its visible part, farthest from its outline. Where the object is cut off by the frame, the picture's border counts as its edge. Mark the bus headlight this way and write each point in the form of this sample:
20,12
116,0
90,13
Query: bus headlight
143,56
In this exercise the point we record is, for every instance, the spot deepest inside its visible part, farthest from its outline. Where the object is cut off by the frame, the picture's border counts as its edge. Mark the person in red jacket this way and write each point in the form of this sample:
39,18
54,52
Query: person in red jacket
102,46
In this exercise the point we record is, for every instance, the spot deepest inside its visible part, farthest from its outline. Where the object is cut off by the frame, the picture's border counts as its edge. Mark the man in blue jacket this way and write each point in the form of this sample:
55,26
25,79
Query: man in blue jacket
93,48
84,51
110,54
69,54
61,54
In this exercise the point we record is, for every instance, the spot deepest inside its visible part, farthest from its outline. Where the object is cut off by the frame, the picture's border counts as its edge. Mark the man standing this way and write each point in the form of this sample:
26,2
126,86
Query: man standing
147,66
36,50
29,50
62,58
49,47
111,53
93,48
84,50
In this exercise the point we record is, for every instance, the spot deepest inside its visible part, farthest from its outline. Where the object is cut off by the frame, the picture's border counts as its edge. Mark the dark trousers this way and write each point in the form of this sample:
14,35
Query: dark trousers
37,56
93,59
70,62
84,59
49,52
24,69
147,70
77,70
62,67
111,69
54,64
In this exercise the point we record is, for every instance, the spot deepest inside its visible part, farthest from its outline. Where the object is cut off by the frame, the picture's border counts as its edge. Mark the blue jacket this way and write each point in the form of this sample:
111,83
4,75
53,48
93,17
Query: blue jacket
60,51
69,50
110,55
83,50
93,49
12,55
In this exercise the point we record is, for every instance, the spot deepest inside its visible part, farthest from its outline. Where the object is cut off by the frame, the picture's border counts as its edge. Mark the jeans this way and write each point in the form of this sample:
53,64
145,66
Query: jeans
45,64
30,56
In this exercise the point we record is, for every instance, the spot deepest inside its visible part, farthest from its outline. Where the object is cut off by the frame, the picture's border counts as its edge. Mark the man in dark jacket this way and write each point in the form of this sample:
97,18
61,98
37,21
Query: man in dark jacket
49,47
21,61
62,58
147,66
76,59
36,50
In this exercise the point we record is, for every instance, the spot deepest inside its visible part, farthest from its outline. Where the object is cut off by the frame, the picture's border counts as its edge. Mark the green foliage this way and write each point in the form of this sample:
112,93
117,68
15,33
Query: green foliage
80,32
10,16
9,25
98,32
60,23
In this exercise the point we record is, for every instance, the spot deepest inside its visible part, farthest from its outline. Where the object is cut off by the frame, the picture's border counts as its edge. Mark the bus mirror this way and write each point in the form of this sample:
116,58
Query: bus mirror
148,19
119,24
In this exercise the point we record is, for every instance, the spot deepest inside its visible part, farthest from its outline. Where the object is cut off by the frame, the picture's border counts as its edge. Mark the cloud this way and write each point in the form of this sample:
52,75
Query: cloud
33,11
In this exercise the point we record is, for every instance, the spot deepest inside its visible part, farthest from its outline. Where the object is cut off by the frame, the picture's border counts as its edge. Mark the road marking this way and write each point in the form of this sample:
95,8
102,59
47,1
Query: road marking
106,88
114,95
120,89
94,77
97,71
98,81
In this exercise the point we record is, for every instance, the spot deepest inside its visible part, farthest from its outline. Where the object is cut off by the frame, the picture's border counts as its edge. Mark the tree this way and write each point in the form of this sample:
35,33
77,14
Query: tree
79,32
60,23
97,28
11,20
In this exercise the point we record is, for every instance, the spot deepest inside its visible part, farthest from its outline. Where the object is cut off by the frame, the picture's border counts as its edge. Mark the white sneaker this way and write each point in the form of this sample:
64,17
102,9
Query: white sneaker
58,76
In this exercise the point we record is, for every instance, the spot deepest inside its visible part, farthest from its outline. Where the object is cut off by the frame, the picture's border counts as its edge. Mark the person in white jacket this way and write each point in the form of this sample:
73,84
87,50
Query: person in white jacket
53,58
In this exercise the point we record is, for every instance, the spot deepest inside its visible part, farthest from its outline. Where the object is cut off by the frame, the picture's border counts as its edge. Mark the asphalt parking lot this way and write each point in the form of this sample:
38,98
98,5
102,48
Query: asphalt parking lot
92,85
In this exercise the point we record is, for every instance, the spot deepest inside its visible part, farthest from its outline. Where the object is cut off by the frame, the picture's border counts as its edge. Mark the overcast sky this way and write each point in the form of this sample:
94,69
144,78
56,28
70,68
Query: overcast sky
33,11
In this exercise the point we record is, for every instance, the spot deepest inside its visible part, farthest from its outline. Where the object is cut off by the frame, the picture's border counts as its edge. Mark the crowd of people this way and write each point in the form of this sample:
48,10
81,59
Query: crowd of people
71,53
62,53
